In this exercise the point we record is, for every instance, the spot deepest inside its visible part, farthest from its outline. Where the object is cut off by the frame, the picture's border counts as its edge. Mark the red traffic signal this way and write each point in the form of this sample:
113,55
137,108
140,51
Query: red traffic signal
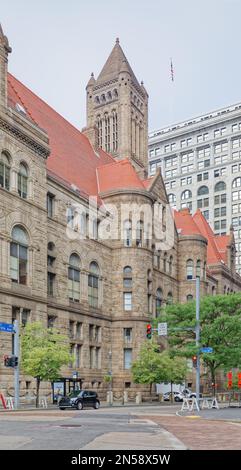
148,331
230,379
194,361
10,361
239,380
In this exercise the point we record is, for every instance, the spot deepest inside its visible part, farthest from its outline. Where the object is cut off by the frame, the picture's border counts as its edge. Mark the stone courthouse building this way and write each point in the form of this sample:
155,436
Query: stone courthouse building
76,251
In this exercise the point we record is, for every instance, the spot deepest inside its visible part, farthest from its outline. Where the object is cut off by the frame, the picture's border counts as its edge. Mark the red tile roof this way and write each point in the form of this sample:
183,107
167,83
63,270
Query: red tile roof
185,223
197,224
72,156
118,175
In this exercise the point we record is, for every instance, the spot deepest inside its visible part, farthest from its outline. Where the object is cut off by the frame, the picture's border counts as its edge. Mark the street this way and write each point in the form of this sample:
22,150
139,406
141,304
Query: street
132,427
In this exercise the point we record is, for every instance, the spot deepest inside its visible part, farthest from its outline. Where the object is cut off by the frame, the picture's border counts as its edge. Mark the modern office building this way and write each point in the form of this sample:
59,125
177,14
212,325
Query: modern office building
200,160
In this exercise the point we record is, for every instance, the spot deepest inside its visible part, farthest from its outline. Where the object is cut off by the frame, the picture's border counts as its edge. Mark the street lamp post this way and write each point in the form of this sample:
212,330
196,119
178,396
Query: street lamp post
197,332
110,375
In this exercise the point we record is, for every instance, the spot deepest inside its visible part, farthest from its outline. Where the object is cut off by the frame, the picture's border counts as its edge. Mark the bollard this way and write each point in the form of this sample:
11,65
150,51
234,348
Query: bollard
138,398
125,397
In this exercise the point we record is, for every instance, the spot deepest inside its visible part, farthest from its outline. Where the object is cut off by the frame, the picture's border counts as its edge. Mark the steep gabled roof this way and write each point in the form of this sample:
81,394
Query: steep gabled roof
114,64
72,156
185,223
213,254
217,246
222,242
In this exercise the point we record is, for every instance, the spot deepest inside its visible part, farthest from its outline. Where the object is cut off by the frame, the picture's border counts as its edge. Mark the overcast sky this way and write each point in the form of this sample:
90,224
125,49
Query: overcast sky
58,43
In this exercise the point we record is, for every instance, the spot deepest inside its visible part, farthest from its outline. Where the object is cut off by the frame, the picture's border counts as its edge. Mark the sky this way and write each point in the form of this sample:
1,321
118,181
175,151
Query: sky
56,44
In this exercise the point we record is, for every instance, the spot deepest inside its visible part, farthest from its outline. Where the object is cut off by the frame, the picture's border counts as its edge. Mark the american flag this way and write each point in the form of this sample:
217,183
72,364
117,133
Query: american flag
172,72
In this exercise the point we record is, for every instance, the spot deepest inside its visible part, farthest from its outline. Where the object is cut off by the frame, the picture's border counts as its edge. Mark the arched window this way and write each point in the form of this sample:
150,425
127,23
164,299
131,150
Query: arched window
93,284
158,301
103,99
236,183
97,100
23,181
220,186
109,95
204,270
19,255
74,278
149,290
187,194
189,268
169,298
172,198
115,93
100,131
213,290
202,191
114,131
189,298
107,132
127,277
127,233
51,258
165,262
139,233
4,171
198,268
170,264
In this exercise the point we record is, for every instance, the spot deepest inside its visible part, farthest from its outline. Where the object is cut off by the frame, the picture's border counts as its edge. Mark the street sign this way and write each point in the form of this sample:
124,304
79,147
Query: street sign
206,350
8,327
162,329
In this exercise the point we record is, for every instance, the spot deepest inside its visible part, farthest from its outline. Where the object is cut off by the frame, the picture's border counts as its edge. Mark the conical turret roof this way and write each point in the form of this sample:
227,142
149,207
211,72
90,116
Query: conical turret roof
114,65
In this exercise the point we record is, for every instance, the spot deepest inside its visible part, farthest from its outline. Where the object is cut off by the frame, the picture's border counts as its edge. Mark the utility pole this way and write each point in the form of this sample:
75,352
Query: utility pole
197,331
16,368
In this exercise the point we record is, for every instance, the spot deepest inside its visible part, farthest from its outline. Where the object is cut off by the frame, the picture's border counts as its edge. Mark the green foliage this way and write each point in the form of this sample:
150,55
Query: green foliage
108,378
154,366
43,351
220,322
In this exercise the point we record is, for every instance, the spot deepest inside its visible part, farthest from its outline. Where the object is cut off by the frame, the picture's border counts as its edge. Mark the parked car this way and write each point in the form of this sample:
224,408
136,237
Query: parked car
80,399
177,396
189,394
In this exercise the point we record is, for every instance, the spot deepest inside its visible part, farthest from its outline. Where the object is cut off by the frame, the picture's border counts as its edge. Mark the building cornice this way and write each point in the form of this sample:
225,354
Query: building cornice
38,144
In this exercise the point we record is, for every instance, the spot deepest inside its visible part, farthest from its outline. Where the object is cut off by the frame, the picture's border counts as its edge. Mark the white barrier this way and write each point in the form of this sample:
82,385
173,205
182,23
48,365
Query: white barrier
9,403
189,404
210,403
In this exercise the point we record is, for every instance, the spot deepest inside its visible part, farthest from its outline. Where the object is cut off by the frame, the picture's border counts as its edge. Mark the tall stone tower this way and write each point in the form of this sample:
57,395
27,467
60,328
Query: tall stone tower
4,51
117,111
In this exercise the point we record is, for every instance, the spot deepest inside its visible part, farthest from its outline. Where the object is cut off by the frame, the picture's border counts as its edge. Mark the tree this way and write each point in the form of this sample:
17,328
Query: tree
175,369
220,323
43,353
153,366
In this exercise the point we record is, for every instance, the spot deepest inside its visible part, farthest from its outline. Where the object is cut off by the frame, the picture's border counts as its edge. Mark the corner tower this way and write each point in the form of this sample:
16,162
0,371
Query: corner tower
117,107
5,49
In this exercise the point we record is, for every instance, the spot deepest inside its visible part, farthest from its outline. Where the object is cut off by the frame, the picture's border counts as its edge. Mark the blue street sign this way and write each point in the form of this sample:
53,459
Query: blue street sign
206,350
8,327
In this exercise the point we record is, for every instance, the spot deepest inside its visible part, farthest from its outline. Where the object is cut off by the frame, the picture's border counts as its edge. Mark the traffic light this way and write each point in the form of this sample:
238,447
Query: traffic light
10,361
14,361
239,380
7,361
230,379
148,331
194,361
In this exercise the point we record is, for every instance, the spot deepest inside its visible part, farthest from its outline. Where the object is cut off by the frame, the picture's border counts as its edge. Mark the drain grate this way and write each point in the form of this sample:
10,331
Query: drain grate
70,425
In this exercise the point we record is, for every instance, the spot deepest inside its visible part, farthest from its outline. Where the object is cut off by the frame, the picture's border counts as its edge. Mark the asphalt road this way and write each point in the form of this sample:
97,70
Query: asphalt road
88,429
130,427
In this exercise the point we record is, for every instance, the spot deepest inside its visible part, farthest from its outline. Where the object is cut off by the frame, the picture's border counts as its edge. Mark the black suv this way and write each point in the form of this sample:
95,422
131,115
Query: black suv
80,399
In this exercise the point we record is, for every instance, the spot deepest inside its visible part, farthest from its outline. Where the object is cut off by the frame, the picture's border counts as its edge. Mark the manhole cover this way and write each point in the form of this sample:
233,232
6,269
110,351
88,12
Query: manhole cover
70,426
